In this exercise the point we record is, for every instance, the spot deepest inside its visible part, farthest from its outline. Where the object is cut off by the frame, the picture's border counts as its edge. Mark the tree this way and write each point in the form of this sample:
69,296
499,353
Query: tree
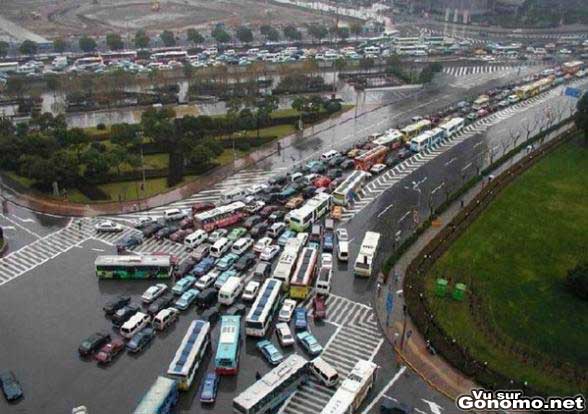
97,163
265,107
332,106
199,155
59,45
168,38
581,117
577,280
87,44
114,41
28,47
273,35
292,33
220,34
4,46
141,39
264,29
244,34
125,135
318,31
194,36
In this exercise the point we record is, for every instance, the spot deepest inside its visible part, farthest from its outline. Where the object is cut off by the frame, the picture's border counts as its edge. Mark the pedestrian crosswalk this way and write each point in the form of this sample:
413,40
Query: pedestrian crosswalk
467,76
357,338
460,71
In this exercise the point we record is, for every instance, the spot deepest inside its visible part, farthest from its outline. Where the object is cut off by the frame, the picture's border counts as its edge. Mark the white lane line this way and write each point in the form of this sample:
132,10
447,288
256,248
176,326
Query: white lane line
384,390
28,220
386,209
20,226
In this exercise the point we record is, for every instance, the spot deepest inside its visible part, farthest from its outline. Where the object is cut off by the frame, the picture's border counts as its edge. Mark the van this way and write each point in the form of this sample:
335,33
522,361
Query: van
220,247
230,291
276,229
165,317
173,214
242,245
234,195
329,155
195,239
343,251
137,322
323,281
324,372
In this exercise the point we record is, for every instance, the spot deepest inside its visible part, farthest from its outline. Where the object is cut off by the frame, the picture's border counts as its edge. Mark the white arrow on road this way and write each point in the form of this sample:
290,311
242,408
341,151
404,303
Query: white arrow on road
28,220
433,406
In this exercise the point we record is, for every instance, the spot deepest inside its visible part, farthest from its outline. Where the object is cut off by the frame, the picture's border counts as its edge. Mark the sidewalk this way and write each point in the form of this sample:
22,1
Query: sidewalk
434,370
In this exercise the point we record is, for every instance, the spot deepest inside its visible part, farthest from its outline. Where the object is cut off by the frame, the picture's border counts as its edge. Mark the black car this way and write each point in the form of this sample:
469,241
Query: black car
160,303
258,230
277,215
299,185
93,343
262,270
335,162
151,229
334,173
129,242
308,191
277,179
10,386
245,262
391,161
140,340
237,309
124,314
403,154
207,298
251,221
347,164
184,267
211,315
112,306
165,232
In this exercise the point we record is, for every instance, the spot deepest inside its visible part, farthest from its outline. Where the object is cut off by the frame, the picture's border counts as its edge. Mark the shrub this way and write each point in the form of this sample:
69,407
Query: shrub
100,127
577,280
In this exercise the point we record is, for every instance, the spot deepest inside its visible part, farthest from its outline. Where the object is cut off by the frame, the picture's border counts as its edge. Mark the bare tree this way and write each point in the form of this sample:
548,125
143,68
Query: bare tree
528,128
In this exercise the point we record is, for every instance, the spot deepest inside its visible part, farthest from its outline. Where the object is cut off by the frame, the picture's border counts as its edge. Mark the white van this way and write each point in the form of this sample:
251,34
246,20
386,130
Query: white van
195,239
324,372
276,229
329,155
242,245
343,251
165,317
230,290
220,247
232,196
323,281
173,214
137,322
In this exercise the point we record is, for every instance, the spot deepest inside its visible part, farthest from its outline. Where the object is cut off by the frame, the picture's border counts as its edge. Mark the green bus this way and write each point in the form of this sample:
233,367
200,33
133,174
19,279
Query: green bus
134,267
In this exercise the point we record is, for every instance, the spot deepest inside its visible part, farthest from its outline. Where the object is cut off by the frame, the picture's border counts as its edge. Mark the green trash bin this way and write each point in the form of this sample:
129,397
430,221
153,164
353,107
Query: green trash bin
441,287
459,291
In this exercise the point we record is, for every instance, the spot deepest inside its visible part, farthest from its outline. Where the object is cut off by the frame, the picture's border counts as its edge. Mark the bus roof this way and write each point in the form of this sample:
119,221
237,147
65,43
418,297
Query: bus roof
156,396
188,350
346,393
228,208
372,153
452,123
310,205
351,181
267,294
423,123
228,337
389,136
133,260
309,255
369,243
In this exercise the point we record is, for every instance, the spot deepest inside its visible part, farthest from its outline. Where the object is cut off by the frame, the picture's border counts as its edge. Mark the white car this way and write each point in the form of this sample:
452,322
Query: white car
142,221
327,260
269,253
154,292
207,280
250,291
377,168
287,310
284,334
108,226
262,244
342,234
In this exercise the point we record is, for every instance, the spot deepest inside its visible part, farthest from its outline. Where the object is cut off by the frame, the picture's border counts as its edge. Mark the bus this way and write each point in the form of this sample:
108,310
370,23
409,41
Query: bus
452,126
190,353
427,140
391,139
287,262
134,267
315,208
263,309
368,159
165,57
266,394
226,361
366,255
572,67
353,389
346,191
302,280
161,397
218,217
116,56
481,102
412,130
88,63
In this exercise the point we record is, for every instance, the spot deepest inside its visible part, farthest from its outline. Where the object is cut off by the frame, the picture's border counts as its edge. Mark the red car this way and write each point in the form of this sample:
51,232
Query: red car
203,206
180,235
319,307
267,210
321,181
186,223
109,351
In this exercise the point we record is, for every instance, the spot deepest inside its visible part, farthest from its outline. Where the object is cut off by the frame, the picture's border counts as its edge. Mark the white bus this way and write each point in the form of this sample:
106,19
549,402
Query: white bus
452,126
273,388
345,191
353,389
391,139
190,353
287,261
89,63
316,207
164,57
263,309
427,139
367,253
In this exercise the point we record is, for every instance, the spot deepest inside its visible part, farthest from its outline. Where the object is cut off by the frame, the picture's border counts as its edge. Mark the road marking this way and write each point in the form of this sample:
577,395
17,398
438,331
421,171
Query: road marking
9,228
386,209
404,216
20,226
385,390
28,220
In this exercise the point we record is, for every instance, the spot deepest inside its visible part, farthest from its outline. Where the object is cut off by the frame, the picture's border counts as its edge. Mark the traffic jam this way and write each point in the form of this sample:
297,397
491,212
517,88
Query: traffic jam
262,262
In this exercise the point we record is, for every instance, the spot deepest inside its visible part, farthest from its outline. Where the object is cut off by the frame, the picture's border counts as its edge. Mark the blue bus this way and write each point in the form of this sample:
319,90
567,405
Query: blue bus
160,399
190,353
226,360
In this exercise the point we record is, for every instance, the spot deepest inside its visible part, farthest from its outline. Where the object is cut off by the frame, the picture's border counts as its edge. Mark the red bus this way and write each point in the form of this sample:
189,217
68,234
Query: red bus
109,57
219,217
374,156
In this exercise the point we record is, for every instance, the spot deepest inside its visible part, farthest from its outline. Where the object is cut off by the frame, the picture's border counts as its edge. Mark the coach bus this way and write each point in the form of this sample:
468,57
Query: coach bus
427,140
315,208
412,130
265,395
367,253
218,217
287,261
226,361
190,353
452,126
391,139
88,63
161,397
165,57
353,389
262,312
368,159
303,278
117,56
346,191
134,267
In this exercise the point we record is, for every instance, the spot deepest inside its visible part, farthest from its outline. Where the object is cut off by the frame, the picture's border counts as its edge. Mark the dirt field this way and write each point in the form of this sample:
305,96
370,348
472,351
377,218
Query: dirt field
96,17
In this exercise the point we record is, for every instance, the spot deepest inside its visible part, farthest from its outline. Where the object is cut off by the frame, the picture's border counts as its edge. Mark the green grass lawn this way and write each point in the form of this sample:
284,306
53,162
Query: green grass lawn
516,255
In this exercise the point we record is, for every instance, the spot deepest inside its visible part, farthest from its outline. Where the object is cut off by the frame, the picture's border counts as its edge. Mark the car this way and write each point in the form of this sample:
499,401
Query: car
336,212
124,314
223,277
300,319
82,409
211,315
143,221
237,233
236,309
288,234
217,234
251,221
108,226
262,270
277,215
183,285
286,311
309,343
166,232
259,229
250,291
180,235
150,229
10,386
202,206
129,242
403,154
262,244
207,298
270,352
318,168
109,351
184,267
186,299
392,407
308,192
319,307
334,173
115,304
153,292
160,303
245,262
201,251
347,165
204,266
269,253
321,181
377,168
294,202
342,234
187,223
268,210
327,260
209,388
140,340
328,241
92,343
284,334
227,261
